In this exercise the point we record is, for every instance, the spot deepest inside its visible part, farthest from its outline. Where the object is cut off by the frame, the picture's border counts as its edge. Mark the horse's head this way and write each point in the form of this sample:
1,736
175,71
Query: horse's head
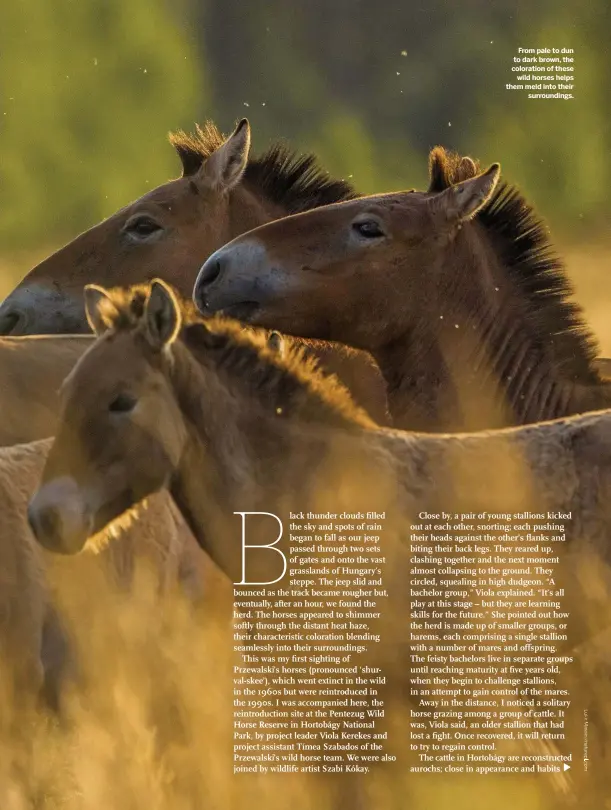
167,234
350,272
121,433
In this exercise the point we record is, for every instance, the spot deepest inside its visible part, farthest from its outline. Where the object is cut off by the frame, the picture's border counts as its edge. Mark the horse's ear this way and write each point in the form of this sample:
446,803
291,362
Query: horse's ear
99,308
162,315
224,168
463,200
438,174
276,343
467,168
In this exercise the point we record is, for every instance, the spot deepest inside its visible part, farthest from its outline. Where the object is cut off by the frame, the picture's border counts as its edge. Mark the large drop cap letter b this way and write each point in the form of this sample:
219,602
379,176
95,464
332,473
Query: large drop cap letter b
271,546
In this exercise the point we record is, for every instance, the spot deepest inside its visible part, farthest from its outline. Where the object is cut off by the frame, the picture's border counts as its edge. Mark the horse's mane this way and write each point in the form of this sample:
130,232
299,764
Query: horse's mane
521,240
290,379
295,182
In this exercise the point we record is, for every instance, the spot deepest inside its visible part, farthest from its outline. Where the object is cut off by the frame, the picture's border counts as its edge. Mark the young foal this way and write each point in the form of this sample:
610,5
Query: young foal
456,292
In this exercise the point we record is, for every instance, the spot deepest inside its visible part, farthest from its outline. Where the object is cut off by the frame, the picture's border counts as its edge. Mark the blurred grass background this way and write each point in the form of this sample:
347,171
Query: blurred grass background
89,90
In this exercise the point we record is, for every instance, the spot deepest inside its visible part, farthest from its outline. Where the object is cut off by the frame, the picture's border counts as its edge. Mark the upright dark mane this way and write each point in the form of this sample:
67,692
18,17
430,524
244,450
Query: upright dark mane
522,243
295,182
290,382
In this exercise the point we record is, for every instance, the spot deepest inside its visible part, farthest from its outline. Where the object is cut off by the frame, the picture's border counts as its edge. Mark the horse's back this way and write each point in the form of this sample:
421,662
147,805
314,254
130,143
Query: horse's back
31,372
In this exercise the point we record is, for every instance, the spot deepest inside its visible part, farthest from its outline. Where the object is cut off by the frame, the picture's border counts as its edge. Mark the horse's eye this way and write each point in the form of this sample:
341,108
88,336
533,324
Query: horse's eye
141,226
368,229
122,403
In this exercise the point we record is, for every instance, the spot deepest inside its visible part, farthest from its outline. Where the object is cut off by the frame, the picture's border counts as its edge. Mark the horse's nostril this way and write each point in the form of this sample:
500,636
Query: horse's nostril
12,322
47,523
211,271
58,518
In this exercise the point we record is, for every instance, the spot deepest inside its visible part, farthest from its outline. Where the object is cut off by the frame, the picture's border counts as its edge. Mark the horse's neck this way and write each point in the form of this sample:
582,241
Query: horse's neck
208,509
531,380
535,379
242,458
445,388
247,210
416,376
474,365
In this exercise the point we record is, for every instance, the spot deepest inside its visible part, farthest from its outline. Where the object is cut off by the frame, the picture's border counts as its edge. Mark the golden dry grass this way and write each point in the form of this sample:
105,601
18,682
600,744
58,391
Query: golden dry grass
150,728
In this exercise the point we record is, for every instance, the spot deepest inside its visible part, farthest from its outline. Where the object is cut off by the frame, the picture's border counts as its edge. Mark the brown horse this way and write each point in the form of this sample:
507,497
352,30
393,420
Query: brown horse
169,232
456,292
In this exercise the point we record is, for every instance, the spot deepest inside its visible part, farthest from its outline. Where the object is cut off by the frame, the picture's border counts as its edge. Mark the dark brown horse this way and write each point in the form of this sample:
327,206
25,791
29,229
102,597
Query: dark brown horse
169,232
455,291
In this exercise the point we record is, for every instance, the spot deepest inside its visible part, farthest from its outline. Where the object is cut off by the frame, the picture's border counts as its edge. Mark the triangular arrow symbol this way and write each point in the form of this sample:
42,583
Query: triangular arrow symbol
566,767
